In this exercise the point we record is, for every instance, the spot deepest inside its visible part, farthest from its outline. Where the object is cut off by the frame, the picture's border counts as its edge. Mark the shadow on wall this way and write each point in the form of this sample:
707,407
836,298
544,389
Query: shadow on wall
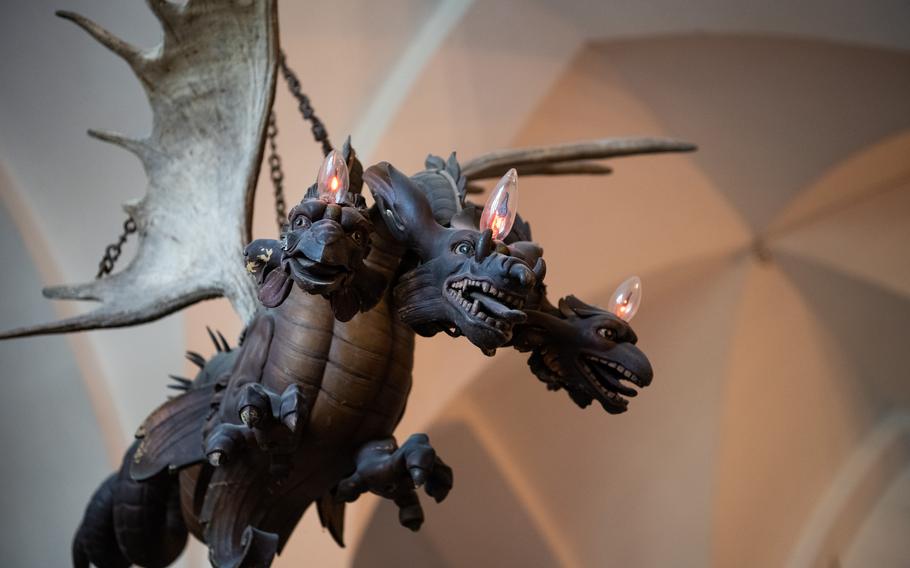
481,523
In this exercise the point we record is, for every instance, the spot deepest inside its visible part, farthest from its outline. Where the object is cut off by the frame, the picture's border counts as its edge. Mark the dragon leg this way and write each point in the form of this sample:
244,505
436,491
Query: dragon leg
95,541
147,517
236,500
131,522
396,472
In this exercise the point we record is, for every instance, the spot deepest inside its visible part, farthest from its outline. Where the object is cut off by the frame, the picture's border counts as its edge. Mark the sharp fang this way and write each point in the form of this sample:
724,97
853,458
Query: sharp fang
485,287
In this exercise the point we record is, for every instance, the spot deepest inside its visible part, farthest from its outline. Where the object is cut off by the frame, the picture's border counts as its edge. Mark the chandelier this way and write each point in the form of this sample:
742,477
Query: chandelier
303,409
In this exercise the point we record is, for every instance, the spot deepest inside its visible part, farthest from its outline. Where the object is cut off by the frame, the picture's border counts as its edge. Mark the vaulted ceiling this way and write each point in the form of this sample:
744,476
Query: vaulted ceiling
799,111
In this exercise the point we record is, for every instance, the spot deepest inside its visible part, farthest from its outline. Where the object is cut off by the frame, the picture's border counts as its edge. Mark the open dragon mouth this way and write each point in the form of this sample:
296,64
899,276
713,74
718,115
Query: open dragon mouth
484,304
312,272
611,379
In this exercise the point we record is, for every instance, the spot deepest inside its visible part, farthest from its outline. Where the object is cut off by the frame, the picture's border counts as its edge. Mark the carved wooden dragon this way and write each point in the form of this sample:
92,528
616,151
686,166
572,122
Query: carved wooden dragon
304,410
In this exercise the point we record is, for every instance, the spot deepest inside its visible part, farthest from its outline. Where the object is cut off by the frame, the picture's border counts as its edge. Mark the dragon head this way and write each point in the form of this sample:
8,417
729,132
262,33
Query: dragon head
587,351
323,252
465,283
466,286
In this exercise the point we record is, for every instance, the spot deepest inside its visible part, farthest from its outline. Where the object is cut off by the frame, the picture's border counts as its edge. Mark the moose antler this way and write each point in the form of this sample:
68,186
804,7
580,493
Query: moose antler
567,159
210,85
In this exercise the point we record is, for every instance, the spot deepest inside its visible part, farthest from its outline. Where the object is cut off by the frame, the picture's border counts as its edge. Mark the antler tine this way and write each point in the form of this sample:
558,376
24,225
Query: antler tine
118,308
487,165
548,169
137,147
127,51
106,317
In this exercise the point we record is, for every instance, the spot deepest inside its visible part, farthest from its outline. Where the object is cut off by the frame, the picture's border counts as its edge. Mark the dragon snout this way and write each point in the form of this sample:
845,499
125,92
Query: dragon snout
634,360
522,274
326,233
319,243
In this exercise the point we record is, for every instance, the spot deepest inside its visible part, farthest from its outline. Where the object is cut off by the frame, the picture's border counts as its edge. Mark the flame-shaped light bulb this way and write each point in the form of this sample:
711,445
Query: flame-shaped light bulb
626,299
502,206
332,182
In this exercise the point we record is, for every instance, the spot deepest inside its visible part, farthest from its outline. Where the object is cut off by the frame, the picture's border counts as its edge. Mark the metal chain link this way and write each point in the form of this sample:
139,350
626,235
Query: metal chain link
276,174
303,103
113,251
320,134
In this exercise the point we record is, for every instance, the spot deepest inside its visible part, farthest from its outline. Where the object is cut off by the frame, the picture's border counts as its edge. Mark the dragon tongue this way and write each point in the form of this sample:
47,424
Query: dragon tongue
498,309
275,288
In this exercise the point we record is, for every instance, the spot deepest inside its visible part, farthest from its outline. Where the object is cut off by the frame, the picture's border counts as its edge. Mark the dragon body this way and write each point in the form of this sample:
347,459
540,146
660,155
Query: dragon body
350,382
304,410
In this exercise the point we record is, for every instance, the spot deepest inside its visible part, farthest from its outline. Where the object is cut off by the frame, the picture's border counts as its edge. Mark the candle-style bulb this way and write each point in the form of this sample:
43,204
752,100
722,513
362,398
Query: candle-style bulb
332,182
626,299
502,206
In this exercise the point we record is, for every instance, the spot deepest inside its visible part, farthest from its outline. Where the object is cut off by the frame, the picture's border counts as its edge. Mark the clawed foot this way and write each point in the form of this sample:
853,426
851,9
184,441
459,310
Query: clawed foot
392,472
268,422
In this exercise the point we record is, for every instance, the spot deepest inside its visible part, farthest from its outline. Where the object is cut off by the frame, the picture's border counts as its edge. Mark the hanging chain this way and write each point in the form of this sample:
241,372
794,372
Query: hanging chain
303,103
113,251
319,134
276,173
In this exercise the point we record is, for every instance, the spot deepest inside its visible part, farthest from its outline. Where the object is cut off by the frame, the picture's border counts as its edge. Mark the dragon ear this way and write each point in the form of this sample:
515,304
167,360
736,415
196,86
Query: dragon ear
467,218
404,208
263,262
570,305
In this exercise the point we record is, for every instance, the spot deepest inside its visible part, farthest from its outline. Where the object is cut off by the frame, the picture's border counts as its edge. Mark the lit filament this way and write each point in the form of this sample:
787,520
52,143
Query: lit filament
502,206
332,181
626,299
498,225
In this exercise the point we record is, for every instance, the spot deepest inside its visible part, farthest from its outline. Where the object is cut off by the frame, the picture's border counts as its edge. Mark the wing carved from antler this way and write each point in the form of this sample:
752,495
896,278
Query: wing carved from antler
210,85
567,159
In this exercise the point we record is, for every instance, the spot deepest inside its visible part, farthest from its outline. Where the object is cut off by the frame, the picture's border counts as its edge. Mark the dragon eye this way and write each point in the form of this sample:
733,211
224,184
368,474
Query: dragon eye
301,221
357,236
606,333
465,248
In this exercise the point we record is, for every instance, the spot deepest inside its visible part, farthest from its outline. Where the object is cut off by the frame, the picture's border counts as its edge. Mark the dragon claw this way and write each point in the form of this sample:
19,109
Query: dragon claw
250,416
396,472
224,441
418,475
268,422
